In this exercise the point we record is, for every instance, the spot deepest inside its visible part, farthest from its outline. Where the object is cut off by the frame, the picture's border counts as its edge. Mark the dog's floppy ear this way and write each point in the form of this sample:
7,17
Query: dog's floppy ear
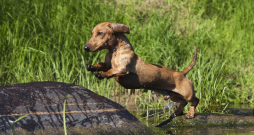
119,28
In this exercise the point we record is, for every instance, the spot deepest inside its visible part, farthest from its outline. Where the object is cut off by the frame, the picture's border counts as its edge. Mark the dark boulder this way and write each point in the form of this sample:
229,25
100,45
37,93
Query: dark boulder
43,101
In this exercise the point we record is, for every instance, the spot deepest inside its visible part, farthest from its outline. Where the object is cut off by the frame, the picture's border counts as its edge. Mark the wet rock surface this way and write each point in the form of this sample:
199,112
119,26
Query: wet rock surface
239,121
213,120
232,121
43,101
232,117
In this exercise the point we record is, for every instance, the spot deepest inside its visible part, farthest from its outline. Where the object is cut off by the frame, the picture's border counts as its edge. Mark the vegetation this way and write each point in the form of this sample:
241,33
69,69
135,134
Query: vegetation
42,40
15,122
64,122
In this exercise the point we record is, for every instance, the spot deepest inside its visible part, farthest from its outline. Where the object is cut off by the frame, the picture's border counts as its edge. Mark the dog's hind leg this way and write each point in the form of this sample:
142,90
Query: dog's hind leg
182,103
186,90
194,103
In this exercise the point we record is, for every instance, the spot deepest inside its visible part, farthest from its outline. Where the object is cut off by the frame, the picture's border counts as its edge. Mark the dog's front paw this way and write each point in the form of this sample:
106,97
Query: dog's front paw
98,75
91,68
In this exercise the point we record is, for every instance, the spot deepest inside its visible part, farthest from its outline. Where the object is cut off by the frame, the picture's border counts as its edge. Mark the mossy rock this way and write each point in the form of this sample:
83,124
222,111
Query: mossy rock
212,119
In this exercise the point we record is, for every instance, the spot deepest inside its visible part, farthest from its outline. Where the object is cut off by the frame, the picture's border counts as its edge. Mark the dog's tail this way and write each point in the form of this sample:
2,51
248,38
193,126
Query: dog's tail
187,69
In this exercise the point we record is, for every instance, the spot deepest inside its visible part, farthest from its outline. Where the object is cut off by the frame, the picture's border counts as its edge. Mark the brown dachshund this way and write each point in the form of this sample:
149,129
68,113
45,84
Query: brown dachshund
132,72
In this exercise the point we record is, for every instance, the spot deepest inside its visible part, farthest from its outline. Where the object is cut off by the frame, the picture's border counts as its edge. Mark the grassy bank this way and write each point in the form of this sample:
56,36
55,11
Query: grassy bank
42,40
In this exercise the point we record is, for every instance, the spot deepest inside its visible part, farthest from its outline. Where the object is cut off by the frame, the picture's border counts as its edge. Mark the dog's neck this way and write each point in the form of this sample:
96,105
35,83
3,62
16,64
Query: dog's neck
121,41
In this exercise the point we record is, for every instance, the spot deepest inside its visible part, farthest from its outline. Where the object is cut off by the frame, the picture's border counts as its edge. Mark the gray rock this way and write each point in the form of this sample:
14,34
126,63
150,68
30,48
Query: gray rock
43,101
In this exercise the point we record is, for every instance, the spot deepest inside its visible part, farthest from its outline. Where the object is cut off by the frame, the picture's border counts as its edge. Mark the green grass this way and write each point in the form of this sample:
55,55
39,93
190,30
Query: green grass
42,40
15,122
64,122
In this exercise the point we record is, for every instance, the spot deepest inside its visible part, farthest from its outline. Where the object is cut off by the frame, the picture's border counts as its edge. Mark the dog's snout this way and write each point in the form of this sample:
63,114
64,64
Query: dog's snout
86,48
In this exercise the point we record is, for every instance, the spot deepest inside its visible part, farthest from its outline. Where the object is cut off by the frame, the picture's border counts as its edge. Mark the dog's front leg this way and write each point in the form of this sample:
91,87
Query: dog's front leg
111,73
103,66
98,67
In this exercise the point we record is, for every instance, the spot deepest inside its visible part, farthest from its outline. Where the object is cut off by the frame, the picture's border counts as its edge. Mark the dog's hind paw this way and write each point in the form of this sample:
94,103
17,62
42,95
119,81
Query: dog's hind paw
188,117
173,115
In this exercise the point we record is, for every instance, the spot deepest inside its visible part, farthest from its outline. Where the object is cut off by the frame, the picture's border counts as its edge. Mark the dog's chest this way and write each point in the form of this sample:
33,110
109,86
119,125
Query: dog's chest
116,62
118,59
114,59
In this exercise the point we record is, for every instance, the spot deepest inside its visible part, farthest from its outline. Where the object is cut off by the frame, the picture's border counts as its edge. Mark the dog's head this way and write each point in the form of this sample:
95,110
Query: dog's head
103,36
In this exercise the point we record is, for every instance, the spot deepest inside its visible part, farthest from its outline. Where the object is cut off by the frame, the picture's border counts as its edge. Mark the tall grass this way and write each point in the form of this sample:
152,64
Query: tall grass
42,40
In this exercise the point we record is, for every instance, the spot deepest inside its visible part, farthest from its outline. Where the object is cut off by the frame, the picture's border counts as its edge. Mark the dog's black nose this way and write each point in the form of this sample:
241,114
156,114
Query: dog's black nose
86,48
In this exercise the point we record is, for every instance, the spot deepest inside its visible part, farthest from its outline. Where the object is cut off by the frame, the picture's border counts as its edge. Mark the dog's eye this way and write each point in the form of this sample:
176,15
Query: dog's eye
99,33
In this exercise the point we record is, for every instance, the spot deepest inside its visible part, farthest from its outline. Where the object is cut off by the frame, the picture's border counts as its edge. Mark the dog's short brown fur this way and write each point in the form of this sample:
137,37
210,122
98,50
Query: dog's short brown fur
132,72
